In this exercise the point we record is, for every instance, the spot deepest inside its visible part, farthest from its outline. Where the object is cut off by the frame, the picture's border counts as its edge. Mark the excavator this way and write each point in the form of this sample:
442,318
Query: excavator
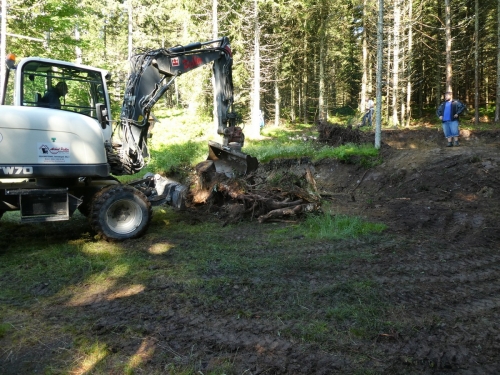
60,149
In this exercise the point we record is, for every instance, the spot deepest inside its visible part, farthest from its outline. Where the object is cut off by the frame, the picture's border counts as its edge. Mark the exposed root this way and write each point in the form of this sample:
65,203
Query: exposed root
268,197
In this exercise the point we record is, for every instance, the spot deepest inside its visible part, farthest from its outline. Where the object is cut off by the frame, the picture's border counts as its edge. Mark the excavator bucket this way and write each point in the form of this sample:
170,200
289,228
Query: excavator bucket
230,161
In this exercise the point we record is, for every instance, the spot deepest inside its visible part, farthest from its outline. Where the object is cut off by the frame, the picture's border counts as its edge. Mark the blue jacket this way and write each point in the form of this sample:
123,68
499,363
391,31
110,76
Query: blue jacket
457,108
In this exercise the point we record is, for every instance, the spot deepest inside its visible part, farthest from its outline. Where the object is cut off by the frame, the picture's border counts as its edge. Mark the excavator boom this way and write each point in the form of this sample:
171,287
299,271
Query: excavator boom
152,74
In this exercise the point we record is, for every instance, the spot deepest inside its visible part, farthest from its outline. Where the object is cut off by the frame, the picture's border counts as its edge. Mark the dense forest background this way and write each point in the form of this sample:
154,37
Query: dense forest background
297,60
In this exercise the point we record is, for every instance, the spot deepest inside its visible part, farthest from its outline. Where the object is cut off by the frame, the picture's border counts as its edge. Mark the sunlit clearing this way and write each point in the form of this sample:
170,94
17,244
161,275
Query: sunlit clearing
143,354
101,247
160,248
95,354
129,291
90,293
119,270
102,292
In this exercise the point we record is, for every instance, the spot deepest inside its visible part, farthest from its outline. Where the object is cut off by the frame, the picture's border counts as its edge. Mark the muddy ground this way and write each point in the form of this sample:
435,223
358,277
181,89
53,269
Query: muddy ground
447,201
441,269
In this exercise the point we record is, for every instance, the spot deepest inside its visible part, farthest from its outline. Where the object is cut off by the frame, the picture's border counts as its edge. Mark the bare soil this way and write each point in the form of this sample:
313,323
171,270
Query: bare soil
441,270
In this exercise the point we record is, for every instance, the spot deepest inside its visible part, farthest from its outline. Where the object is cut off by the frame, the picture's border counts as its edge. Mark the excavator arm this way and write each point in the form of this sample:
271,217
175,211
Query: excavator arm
152,73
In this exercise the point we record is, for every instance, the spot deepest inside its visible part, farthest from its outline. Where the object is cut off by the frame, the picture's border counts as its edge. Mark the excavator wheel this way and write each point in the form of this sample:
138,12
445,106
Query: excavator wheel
120,212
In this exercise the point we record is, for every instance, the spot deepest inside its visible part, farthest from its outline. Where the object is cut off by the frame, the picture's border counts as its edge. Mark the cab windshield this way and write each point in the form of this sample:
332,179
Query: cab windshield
61,87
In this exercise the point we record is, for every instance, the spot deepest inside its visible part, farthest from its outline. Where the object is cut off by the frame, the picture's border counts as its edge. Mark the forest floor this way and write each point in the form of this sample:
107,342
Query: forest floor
436,269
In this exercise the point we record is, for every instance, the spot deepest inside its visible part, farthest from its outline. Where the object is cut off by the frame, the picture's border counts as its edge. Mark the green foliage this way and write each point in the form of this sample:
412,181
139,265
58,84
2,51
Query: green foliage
346,152
173,157
344,111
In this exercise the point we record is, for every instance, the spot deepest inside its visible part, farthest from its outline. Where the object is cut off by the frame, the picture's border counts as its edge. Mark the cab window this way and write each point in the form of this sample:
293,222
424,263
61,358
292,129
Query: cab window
61,87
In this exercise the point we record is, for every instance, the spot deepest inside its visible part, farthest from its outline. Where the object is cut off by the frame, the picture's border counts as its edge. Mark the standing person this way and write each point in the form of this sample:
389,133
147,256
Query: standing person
448,113
51,98
367,118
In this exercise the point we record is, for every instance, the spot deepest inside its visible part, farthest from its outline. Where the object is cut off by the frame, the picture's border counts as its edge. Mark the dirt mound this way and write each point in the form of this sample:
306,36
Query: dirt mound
336,135
423,186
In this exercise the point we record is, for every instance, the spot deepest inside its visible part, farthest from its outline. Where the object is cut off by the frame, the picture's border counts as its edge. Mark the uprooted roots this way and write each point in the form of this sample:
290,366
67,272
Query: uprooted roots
337,135
275,196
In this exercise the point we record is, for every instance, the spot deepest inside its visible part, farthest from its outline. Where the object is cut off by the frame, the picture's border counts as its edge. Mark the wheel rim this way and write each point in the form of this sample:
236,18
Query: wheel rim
124,216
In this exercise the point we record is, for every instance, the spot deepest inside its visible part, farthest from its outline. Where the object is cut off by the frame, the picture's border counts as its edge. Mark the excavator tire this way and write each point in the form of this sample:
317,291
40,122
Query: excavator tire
120,212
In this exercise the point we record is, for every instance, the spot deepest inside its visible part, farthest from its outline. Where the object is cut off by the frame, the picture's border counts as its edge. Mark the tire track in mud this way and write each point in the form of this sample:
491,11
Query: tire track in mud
253,345
463,284
257,346
451,299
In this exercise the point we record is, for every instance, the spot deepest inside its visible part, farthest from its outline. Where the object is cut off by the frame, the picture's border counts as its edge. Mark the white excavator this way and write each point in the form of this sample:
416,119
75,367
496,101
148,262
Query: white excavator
60,150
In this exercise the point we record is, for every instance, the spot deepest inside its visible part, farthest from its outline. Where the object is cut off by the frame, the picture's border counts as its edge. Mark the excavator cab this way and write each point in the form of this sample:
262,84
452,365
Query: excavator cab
61,86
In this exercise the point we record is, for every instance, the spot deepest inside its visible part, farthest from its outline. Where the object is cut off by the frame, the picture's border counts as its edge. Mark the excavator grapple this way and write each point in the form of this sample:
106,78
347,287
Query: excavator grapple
231,161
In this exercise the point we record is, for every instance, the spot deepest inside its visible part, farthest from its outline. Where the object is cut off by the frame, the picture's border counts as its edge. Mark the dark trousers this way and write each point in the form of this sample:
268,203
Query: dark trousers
367,118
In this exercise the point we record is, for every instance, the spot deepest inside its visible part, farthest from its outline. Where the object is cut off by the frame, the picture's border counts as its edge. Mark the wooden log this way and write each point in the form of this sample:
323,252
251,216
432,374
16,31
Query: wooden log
290,211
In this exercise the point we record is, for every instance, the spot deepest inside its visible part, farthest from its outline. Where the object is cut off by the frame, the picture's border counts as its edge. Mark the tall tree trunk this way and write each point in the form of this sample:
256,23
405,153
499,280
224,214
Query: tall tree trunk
364,78
395,65
388,79
305,77
449,86
78,50
410,64
277,99
497,101
437,69
380,54
322,53
215,35
254,131
130,40
476,63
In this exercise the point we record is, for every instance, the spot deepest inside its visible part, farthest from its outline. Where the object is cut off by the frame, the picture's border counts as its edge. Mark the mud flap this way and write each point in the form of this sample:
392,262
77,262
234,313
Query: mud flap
231,161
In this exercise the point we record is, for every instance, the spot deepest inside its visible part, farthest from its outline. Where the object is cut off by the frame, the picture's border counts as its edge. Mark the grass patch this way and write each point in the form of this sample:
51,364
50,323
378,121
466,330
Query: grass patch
329,226
267,150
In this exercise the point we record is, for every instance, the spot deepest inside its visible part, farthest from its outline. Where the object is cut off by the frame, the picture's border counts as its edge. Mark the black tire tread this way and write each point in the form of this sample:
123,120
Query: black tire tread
108,193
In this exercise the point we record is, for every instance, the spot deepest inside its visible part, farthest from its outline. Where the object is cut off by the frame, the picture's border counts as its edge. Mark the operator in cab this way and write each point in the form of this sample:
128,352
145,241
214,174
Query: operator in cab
51,99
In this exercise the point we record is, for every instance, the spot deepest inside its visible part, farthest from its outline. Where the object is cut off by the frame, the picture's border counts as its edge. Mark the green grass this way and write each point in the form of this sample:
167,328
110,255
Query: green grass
332,227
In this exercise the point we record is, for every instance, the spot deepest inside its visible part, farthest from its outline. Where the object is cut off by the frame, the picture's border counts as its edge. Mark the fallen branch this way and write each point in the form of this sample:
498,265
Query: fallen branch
302,208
